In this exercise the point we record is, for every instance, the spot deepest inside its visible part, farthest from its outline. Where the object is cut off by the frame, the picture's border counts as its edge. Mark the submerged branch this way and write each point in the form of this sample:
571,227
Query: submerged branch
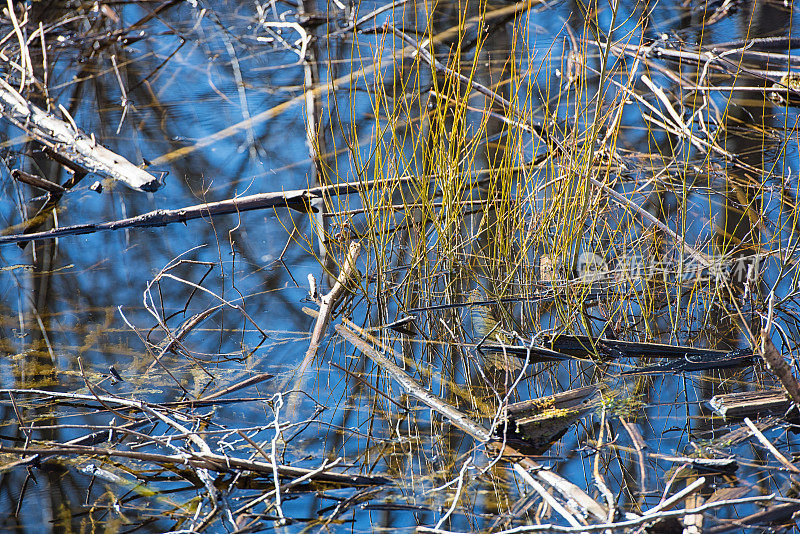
329,301
203,460
327,304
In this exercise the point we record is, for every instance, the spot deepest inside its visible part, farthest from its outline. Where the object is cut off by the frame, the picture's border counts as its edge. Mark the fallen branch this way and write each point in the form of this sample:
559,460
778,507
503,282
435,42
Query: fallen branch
204,458
38,182
572,493
67,141
298,199
328,302
770,447
212,462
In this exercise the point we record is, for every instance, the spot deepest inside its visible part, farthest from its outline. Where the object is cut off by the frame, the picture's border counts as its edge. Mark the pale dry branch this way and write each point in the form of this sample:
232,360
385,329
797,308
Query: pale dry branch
72,144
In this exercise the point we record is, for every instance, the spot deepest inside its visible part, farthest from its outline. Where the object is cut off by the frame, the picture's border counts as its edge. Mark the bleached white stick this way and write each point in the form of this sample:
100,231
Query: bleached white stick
70,142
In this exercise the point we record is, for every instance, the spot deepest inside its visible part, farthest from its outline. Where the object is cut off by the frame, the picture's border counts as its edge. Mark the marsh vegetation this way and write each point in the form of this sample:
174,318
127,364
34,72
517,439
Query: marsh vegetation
447,266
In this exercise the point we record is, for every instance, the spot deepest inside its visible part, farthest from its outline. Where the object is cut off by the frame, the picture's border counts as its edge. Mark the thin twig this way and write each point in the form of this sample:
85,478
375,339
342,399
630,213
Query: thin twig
770,447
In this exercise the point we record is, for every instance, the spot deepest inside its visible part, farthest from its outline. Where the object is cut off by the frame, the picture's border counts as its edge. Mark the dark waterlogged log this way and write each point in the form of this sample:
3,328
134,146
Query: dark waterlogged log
682,358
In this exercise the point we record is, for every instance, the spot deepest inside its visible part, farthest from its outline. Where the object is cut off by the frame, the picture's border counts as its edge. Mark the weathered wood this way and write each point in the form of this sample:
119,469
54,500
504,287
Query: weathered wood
749,403
299,199
572,398
69,142
534,425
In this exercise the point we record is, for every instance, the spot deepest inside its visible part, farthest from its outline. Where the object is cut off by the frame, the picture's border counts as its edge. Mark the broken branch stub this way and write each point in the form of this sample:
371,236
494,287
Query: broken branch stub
71,143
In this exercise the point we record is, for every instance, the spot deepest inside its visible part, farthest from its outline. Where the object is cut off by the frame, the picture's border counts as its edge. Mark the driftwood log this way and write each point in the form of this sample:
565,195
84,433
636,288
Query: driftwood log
69,143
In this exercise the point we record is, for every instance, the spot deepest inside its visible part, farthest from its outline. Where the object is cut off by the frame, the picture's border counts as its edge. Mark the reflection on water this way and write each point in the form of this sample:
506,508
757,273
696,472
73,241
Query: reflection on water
214,97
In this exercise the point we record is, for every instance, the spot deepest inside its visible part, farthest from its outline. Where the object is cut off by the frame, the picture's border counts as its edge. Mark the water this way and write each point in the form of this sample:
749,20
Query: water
74,308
